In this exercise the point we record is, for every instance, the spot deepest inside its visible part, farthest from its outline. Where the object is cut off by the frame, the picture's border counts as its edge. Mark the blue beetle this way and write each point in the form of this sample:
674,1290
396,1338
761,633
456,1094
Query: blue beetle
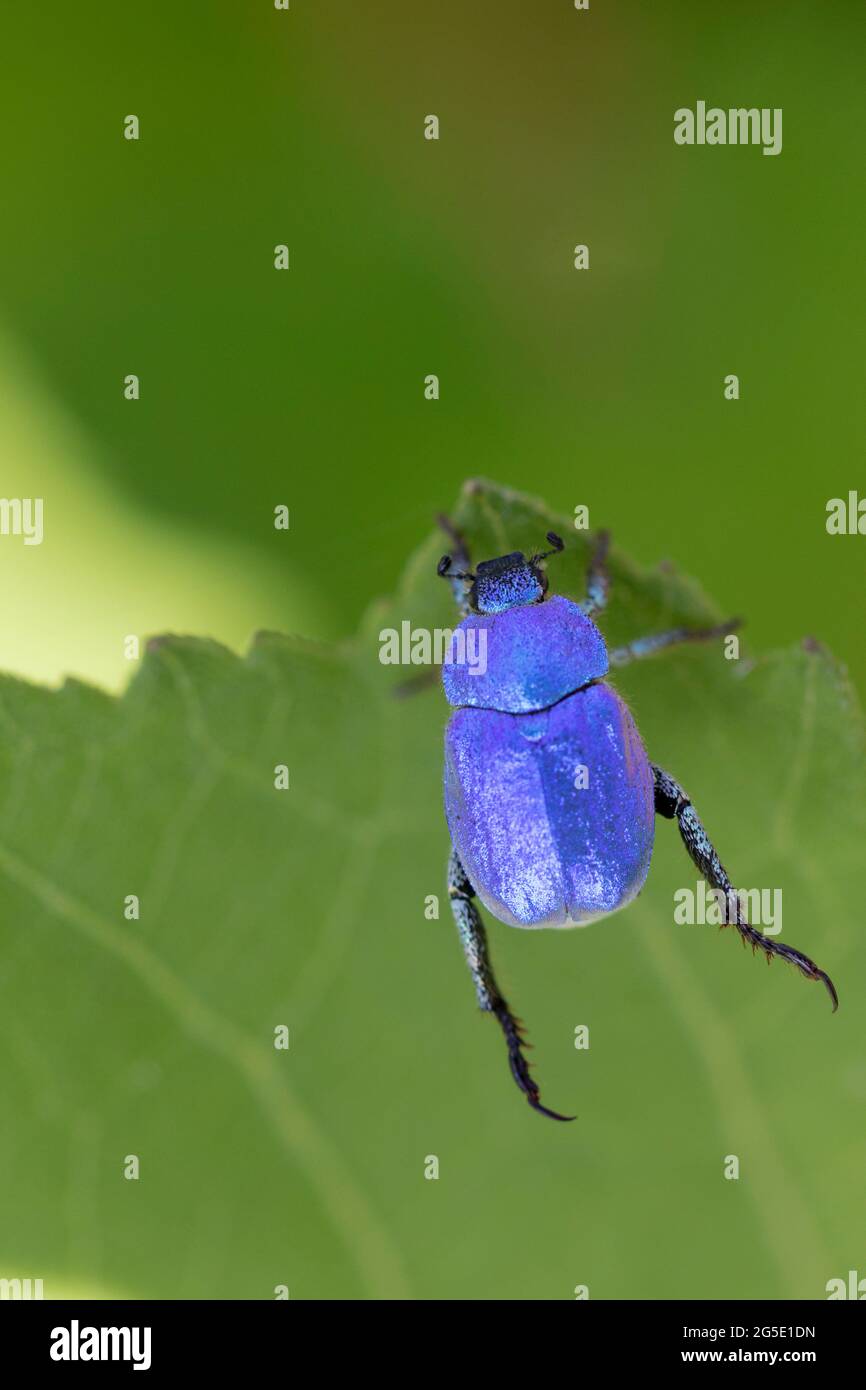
550,797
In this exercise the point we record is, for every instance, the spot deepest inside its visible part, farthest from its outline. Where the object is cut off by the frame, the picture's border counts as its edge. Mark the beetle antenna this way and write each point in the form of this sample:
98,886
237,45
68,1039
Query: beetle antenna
558,544
444,571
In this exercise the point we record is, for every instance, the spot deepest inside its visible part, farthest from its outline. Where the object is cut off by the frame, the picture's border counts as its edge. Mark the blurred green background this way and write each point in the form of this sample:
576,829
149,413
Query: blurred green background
411,257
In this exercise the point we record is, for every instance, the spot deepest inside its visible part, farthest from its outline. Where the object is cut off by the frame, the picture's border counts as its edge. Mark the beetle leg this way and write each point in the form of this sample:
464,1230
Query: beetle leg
415,685
473,938
597,577
657,641
460,562
672,803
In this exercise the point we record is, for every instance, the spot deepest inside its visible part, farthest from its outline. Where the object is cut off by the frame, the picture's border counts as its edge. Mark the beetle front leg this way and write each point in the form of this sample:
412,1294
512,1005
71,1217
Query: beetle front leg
597,577
473,938
657,641
414,685
672,803
460,561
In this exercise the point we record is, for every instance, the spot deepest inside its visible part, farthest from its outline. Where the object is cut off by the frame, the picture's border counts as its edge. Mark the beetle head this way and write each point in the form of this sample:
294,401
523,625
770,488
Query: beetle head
506,582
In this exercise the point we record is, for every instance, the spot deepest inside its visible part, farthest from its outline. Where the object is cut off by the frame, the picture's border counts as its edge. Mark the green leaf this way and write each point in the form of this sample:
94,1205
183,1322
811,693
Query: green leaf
305,908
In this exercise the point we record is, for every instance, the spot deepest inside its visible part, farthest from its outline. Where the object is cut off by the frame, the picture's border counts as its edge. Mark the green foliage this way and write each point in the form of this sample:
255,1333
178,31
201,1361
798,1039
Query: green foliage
305,907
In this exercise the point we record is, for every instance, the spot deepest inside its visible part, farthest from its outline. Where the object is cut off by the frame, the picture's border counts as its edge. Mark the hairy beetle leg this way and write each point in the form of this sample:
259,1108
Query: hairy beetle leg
656,642
425,680
513,1030
473,939
459,547
416,685
597,577
459,562
672,803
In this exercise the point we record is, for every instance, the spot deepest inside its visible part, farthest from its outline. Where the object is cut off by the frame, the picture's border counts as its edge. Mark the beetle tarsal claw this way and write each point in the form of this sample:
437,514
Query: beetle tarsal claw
830,987
551,1114
513,1030
806,967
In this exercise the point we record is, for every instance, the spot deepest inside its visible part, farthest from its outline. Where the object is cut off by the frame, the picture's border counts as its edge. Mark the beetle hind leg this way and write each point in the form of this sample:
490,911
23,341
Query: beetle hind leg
672,803
473,938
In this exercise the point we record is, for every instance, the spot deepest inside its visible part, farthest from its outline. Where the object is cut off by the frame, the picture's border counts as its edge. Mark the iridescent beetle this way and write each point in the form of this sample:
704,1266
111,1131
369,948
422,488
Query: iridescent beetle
549,795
